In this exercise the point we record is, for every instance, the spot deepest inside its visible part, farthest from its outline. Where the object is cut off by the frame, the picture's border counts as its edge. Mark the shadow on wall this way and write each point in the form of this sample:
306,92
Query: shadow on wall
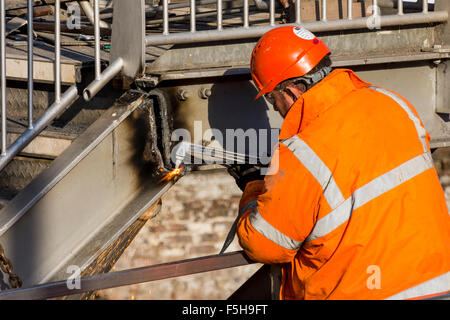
233,111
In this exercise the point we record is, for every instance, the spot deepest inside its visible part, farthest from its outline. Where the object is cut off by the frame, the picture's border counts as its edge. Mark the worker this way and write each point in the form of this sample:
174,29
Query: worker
352,207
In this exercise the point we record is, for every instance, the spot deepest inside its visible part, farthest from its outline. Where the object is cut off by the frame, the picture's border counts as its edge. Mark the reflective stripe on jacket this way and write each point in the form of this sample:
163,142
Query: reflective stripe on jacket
353,207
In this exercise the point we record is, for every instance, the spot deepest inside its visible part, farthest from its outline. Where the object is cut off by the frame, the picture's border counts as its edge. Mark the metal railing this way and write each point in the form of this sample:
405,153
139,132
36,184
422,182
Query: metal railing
61,102
101,78
325,24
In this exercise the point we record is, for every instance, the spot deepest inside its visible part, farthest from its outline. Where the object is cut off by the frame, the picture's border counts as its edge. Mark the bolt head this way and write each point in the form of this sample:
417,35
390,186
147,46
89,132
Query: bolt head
204,93
182,94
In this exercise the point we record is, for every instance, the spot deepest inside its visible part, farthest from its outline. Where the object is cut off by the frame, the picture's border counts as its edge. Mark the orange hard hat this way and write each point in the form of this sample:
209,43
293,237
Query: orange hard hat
283,53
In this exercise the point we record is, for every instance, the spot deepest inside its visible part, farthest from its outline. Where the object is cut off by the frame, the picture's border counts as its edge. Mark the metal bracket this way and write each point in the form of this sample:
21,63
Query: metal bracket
128,36
443,32
443,88
147,81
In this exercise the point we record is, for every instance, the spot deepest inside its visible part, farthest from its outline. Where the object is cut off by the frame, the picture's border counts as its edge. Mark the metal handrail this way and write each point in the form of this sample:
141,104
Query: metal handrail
246,31
3,74
61,101
318,26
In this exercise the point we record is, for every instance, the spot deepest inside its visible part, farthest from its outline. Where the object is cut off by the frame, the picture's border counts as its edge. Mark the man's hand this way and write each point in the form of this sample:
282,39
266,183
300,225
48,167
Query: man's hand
245,173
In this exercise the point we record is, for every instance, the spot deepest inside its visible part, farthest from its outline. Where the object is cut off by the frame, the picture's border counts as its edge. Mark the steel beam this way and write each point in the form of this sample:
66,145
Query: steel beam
347,46
443,66
338,62
418,81
132,276
443,87
107,259
88,196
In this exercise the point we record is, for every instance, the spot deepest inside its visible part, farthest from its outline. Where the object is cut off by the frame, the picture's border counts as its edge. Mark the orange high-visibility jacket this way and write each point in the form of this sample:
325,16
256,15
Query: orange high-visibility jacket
353,208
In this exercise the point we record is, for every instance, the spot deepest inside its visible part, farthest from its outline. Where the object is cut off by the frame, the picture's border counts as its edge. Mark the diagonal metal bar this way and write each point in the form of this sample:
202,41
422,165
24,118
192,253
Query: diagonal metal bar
57,51
3,75
21,4
131,276
30,63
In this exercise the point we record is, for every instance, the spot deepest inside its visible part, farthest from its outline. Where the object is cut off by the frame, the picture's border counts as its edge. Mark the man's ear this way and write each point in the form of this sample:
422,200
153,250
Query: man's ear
294,92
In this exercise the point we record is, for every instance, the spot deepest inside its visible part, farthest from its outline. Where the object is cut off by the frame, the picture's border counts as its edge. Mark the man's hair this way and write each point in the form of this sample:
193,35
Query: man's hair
304,82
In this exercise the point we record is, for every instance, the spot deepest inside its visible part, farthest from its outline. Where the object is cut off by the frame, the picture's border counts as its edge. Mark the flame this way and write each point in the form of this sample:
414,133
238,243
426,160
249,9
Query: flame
172,174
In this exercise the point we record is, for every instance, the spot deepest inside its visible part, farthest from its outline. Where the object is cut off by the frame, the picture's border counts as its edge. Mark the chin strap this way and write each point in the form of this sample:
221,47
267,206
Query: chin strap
312,79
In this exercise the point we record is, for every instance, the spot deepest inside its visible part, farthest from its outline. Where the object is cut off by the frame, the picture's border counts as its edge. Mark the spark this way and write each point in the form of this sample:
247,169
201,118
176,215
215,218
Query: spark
171,175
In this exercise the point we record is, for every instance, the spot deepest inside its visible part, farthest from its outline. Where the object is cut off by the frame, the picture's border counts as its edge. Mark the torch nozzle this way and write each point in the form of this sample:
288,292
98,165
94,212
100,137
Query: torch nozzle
178,163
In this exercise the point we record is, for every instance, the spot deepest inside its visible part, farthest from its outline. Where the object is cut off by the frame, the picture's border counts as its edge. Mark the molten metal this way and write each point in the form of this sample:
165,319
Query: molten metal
171,175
